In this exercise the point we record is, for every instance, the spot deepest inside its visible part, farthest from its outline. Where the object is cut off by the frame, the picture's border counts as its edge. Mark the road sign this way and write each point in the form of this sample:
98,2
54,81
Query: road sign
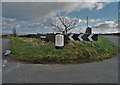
43,38
59,41
83,37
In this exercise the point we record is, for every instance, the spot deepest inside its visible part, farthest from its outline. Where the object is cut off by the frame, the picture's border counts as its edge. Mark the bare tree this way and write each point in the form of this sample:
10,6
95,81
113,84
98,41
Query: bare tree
14,31
64,24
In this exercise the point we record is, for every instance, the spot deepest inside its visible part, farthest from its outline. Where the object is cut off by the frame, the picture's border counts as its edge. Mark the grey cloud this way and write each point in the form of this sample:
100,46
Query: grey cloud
42,26
34,10
99,26
29,10
24,26
108,25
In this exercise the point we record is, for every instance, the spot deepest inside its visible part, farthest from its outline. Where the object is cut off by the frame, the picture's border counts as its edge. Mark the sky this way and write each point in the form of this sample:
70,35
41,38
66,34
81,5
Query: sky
34,17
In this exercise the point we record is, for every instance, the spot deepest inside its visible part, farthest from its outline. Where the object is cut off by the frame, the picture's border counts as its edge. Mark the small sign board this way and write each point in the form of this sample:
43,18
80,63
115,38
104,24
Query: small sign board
59,41
42,36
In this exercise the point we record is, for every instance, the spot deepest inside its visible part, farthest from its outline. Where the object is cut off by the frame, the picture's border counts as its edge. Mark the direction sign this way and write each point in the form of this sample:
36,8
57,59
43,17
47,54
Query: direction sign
83,37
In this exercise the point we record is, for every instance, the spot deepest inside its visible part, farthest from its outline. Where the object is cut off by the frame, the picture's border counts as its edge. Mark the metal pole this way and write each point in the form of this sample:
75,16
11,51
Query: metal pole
87,21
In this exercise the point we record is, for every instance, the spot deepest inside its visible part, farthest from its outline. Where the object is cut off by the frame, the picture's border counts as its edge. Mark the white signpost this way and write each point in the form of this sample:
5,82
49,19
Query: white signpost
59,41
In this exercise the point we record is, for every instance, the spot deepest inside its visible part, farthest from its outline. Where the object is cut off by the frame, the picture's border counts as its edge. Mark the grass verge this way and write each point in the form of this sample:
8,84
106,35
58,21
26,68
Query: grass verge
36,51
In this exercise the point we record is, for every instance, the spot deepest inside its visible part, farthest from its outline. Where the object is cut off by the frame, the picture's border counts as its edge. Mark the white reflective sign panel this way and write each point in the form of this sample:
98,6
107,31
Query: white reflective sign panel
59,40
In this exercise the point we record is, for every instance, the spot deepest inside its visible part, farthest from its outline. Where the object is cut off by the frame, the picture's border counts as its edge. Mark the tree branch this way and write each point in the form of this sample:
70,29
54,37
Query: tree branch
66,24
56,27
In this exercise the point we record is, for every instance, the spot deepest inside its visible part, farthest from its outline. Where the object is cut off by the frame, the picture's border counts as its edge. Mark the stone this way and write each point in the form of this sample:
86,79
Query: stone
7,52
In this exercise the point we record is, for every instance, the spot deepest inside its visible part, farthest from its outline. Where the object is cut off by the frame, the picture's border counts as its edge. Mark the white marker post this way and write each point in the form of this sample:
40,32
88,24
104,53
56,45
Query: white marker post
59,41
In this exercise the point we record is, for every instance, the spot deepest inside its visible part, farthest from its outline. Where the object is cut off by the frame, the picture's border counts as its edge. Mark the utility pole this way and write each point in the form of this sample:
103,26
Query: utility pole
88,30
87,21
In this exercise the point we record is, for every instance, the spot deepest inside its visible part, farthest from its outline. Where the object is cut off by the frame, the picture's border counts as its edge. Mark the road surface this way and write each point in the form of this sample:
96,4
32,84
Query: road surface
97,72
114,39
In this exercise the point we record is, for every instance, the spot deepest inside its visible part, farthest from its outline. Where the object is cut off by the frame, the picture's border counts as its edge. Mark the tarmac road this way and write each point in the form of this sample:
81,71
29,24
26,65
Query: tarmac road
114,39
5,46
97,72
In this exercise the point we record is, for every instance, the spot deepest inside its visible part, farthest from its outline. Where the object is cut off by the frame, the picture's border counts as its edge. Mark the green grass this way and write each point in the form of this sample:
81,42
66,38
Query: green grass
37,51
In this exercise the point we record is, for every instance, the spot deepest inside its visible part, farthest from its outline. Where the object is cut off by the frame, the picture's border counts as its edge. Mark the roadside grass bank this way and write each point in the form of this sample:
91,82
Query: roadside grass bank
33,50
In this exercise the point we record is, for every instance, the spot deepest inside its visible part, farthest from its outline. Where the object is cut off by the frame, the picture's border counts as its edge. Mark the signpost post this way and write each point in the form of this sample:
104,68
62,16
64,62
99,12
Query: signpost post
43,38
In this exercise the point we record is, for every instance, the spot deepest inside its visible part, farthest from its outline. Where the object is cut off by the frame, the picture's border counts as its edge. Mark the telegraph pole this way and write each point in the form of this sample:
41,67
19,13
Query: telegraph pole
87,21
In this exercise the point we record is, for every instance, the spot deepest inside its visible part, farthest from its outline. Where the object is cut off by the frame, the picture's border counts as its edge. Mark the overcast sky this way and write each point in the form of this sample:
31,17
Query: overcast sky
34,17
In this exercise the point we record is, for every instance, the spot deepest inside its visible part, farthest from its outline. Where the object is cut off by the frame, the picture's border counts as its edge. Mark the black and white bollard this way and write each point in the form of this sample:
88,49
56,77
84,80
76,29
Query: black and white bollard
59,41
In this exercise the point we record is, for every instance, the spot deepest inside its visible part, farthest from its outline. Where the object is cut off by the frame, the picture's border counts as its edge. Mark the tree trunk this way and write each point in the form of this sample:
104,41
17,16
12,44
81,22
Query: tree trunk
65,30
